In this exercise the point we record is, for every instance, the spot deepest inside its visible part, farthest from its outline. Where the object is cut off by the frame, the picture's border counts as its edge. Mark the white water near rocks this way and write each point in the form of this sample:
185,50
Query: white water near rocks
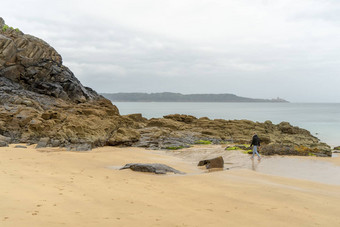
321,119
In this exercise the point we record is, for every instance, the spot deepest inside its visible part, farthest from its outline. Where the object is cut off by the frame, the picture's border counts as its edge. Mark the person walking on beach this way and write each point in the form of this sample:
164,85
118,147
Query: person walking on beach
256,143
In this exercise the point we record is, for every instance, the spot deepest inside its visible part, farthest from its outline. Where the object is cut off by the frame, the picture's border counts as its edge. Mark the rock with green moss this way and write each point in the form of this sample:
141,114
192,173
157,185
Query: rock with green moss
174,147
232,148
238,147
202,142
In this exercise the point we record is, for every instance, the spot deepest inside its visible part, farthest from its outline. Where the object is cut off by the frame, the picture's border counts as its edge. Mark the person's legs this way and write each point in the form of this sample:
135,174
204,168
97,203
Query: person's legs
255,151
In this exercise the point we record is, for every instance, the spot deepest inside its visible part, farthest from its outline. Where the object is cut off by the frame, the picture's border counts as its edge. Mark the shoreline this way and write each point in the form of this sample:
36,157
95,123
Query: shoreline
50,186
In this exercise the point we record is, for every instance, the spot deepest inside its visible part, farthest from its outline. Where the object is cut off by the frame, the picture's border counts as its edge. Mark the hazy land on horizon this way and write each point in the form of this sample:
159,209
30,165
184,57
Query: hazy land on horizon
178,97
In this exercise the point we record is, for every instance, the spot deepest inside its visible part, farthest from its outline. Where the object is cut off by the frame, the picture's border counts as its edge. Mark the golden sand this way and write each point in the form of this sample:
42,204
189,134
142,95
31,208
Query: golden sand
52,187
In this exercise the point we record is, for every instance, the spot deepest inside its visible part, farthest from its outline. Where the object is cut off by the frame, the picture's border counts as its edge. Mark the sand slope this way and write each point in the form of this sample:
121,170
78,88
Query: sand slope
50,187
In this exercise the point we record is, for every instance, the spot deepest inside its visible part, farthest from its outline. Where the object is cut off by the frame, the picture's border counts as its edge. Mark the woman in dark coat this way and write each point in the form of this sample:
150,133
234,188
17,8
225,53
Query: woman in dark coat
256,143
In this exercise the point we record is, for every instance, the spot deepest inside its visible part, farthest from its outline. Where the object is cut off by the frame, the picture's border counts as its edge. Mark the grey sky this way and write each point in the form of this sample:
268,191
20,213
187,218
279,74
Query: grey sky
252,48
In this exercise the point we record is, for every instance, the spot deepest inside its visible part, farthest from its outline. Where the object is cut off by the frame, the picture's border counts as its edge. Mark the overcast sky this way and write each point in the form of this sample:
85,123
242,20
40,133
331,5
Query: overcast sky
251,48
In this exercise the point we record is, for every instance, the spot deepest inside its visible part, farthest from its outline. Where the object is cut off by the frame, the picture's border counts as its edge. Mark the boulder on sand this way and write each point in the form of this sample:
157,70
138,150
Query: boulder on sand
212,163
152,168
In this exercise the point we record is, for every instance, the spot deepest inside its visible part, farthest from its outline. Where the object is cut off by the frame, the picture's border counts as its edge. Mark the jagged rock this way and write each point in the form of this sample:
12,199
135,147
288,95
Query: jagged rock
152,168
337,148
124,136
164,123
181,118
137,117
212,163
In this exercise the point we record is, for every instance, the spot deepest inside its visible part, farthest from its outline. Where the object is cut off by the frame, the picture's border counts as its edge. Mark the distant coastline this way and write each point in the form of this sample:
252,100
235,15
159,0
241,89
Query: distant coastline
177,97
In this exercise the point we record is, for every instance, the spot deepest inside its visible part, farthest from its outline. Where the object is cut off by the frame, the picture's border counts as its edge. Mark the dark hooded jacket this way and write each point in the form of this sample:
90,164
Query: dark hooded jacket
255,141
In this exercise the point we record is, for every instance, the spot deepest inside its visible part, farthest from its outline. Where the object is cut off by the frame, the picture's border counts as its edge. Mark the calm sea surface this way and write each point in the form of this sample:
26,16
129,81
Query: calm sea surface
322,120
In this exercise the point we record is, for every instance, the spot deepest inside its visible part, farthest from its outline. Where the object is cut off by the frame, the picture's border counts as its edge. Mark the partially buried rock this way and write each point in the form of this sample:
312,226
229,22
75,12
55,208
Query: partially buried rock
3,144
152,168
80,147
212,163
20,146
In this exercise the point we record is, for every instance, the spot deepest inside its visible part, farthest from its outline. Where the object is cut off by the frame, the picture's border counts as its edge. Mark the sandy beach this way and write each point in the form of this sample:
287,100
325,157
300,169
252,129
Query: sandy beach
53,187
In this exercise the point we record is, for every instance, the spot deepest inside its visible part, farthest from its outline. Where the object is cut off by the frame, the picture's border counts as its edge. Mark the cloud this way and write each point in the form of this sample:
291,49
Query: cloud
255,48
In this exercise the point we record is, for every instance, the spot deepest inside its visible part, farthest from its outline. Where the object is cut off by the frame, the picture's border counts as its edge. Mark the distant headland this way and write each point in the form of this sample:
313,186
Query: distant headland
178,97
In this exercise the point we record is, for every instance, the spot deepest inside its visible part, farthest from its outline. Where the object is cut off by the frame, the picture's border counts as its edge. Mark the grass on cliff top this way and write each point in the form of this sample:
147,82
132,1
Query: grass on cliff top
6,27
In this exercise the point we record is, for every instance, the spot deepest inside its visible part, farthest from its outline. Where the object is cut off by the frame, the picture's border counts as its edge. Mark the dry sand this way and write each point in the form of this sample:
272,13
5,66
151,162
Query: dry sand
51,187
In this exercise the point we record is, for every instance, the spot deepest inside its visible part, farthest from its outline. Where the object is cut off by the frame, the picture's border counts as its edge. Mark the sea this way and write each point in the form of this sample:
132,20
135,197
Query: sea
321,119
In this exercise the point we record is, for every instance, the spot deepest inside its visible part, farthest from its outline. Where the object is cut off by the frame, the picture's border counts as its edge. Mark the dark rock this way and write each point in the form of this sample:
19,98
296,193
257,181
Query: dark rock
43,142
152,168
4,141
337,148
3,144
212,163
80,147
55,143
20,146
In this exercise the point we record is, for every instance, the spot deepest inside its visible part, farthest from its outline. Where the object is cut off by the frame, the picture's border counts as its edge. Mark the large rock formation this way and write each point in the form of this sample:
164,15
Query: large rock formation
40,98
42,102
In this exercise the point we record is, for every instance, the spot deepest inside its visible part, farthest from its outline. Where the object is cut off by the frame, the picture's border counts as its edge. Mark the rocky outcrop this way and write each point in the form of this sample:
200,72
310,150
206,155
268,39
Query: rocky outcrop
41,101
182,130
151,168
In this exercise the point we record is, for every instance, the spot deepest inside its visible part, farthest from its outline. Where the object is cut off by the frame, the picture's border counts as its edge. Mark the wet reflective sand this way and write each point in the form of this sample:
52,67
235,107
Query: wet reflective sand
317,170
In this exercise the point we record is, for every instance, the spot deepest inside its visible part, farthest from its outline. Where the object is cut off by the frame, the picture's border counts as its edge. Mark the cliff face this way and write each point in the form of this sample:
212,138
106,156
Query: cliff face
34,65
41,98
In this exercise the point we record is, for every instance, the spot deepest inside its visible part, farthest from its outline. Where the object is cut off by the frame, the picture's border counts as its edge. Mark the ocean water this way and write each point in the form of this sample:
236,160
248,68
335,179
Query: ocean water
321,119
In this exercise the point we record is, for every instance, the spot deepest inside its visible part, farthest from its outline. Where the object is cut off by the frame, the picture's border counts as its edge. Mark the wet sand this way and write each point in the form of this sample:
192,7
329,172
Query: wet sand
52,187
